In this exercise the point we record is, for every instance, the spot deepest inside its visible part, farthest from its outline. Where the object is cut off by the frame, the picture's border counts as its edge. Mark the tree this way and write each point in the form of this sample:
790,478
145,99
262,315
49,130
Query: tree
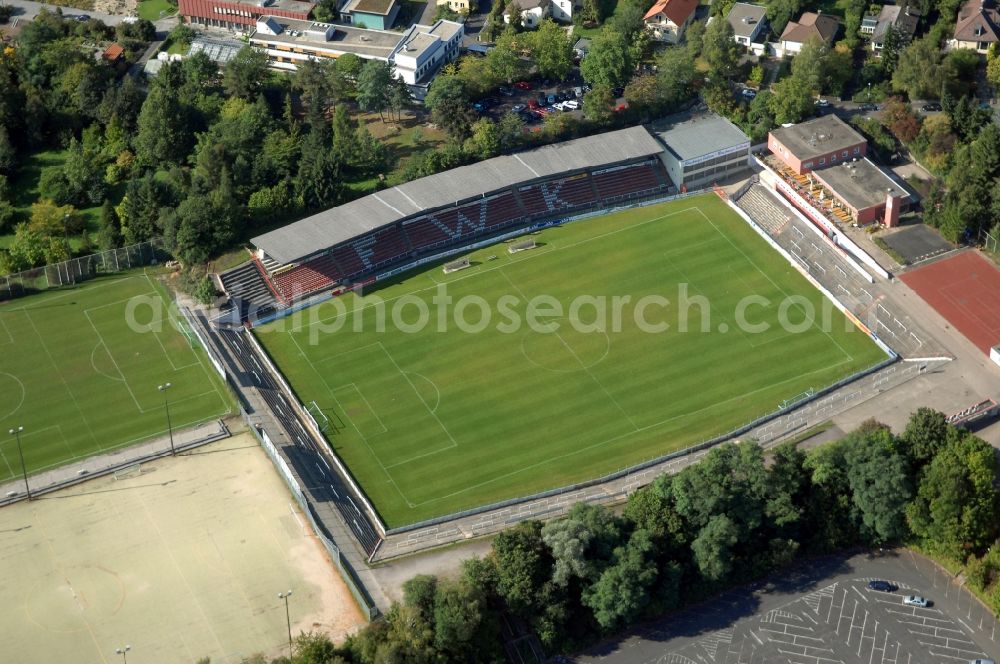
609,62
892,46
245,74
955,509
459,613
880,484
792,100
918,72
485,139
165,127
319,179
552,50
901,121
925,435
523,564
643,94
712,548
780,12
599,105
449,106
374,83
720,50
49,219
504,58
511,129
8,154
203,228
675,75
622,591
109,234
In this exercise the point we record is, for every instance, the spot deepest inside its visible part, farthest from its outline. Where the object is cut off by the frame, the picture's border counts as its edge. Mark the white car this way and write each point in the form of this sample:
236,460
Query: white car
822,103
572,104
915,600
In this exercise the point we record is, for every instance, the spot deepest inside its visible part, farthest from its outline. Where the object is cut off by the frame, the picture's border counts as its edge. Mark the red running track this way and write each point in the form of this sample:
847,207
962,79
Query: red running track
966,291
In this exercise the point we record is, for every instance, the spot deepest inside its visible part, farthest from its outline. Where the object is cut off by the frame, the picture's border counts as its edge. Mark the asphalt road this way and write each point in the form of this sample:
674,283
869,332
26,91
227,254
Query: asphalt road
822,613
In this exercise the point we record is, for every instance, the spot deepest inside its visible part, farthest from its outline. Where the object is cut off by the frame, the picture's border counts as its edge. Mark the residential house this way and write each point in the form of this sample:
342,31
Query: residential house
902,19
562,10
810,25
457,6
668,19
114,55
371,14
532,11
977,27
749,23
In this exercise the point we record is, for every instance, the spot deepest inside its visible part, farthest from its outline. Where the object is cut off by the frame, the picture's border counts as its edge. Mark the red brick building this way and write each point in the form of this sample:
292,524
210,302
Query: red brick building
241,15
817,143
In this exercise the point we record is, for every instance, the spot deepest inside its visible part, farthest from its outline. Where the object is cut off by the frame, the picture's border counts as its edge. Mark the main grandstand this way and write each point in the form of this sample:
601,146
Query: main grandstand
443,213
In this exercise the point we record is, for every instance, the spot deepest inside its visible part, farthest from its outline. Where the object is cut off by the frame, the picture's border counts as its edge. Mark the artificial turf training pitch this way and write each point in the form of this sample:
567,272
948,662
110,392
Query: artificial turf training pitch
434,422
81,380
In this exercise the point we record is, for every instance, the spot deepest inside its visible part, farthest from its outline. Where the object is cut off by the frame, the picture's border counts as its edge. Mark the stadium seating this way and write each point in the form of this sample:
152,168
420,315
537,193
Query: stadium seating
454,226
348,259
389,245
308,277
248,283
424,233
502,209
628,180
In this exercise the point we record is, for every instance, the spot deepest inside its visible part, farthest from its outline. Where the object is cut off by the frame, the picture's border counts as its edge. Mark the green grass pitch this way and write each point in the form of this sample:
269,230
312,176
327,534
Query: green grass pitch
81,381
432,422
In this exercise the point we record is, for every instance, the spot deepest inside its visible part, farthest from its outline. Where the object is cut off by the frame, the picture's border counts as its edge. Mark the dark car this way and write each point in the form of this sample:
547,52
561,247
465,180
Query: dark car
522,85
868,107
542,101
82,17
506,92
931,108
881,586
618,92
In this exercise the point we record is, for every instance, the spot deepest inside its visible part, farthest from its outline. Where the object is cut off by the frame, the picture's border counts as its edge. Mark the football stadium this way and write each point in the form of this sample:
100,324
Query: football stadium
82,367
533,321
435,421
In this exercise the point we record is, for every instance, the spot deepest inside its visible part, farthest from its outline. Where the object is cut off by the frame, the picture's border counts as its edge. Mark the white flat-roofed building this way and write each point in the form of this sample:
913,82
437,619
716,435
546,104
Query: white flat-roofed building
424,49
417,54
701,148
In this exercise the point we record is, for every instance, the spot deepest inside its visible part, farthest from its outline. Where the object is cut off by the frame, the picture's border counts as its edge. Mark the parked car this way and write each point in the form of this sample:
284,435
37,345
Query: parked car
572,104
522,85
506,92
822,103
916,600
867,106
543,101
551,99
82,17
578,91
982,661
931,107
618,92
532,104
517,108
748,93
881,586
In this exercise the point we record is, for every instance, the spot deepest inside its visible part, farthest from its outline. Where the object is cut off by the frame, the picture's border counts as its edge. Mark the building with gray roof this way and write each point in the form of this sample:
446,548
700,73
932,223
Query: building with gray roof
749,22
337,225
701,147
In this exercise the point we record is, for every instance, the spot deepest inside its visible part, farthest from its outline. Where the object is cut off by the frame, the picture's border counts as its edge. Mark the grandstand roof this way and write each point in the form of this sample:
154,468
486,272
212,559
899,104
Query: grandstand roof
692,135
331,227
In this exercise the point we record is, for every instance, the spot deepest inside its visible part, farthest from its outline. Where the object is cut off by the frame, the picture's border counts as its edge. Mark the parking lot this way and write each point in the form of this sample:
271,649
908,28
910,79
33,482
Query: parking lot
533,99
823,613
